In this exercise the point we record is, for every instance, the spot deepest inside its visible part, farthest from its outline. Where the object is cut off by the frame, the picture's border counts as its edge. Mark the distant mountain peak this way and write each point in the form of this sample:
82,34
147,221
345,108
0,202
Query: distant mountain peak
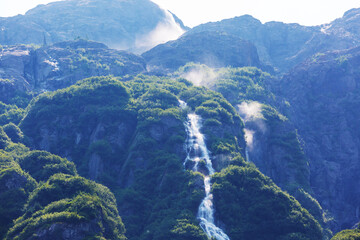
122,24
351,13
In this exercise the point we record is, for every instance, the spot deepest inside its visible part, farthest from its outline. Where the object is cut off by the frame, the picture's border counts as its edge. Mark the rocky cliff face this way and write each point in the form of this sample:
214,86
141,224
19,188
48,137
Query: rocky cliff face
214,49
323,93
13,61
285,45
118,23
347,26
58,66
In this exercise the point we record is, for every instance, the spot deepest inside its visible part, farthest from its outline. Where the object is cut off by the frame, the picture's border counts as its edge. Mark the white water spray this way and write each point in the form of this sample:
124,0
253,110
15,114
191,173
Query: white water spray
251,112
166,30
249,138
197,151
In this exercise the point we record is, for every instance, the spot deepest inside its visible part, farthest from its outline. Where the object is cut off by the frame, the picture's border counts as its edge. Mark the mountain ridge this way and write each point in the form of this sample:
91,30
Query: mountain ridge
274,98
116,23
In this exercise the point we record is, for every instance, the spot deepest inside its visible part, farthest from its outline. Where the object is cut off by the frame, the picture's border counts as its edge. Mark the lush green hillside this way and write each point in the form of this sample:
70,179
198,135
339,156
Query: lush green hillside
347,235
252,206
95,142
42,196
73,204
134,128
15,186
130,134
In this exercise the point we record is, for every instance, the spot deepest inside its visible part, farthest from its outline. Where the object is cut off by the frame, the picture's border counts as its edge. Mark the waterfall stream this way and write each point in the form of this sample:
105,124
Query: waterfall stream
196,152
247,154
249,138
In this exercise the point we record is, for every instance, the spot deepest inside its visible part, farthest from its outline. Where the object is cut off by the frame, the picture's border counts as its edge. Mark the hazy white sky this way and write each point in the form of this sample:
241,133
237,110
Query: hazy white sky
194,12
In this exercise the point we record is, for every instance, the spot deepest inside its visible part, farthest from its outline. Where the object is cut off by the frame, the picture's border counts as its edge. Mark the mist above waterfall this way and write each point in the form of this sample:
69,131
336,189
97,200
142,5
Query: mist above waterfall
165,31
200,75
249,138
253,119
250,110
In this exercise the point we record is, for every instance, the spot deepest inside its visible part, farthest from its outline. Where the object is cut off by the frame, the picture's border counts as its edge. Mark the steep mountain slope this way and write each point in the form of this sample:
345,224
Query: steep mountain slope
60,65
272,142
130,136
42,197
281,212
324,94
347,26
131,132
285,45
348,235
214,49
121,24
16,186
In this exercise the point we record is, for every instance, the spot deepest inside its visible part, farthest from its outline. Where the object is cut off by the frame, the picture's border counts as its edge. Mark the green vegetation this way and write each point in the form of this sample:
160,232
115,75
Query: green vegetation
65,202
88,60
316,57
89,209
353,234
272,130
14,98
185,230
15,187
10,114
252,206
13,132
343,59
42,165
244,84
129,135
221,124
4,139
251,85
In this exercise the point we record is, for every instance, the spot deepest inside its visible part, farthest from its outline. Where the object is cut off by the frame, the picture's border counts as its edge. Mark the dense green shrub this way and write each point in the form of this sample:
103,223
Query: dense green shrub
4,139
157,198
15,187
252,206
72,200
353,234
184,230
85,99
10,113
13,132
41,165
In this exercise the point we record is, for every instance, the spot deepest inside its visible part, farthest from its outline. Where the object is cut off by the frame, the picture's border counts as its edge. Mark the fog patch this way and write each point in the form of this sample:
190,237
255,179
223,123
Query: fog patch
251,113
249,138
165,31
199,75
250,110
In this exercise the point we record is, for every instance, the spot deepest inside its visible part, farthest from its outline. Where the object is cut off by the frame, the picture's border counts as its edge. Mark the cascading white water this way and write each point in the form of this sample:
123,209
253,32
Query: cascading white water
247,154
197,151
249,138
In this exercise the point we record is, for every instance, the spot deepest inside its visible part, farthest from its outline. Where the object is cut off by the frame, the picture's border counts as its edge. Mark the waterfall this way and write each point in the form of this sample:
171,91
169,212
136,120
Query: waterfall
249,138
247,154
196,151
